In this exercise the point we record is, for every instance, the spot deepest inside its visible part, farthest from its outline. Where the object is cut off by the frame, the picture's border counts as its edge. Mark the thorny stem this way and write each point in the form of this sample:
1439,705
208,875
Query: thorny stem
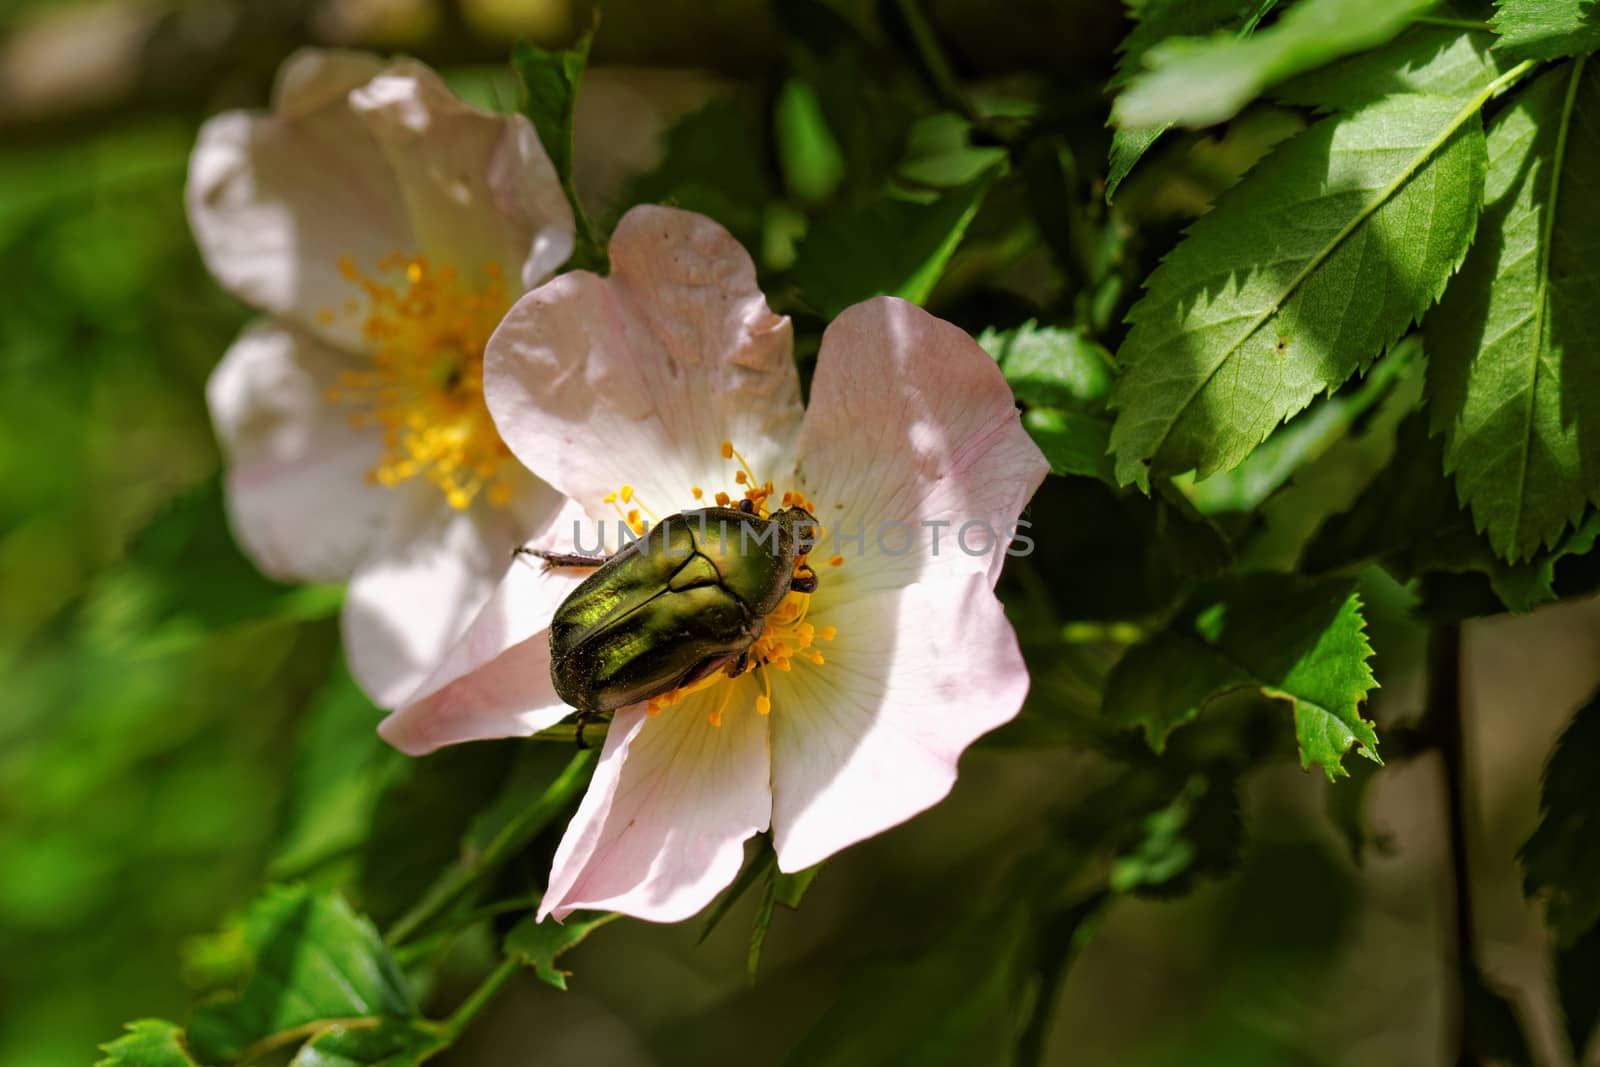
1443,719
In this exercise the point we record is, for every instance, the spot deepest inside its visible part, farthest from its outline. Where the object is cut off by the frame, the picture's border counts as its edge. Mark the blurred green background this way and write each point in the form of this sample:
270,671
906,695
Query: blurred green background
157,690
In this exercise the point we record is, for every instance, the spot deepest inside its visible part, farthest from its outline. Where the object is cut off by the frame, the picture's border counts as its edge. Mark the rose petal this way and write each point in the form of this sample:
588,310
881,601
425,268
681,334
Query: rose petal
478,187
910,422
361,161
872,737
662,828
425,581
275,200
637,378
495,680
299,499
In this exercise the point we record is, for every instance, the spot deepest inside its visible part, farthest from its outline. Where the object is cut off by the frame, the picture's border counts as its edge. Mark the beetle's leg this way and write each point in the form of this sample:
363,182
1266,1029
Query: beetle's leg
562,559
804,583
583,720
737,667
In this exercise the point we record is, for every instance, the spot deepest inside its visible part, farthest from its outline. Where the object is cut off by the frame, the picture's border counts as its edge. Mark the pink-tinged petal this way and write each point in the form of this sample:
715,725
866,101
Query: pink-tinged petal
495,680
910,422
276,199
872,737
426,580
478,187
637,378
299,498
662,828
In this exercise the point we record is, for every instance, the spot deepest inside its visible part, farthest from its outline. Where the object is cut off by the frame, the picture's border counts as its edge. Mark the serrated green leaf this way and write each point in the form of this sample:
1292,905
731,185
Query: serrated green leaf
549,83
311,958
1513,388
1301,440
388,1044
1560,861
1203,81
1303,642
1547,29
1305,271
1154,21
1409,520
148,1043
1434,60
1048,366
898,247
540,944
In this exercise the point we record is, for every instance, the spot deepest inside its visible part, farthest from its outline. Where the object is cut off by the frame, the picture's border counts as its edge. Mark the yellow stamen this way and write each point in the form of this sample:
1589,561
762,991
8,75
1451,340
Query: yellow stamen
425,330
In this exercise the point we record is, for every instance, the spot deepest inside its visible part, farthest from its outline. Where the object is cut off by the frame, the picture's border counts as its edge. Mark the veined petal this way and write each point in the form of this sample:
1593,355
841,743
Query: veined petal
495,680
357,162
873,737
299,498
662,828
276,199
478,187
911,423
427,579
637,378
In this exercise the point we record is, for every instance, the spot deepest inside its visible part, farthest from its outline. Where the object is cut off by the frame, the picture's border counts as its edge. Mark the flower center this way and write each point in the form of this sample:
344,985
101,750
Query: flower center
788,636
426,327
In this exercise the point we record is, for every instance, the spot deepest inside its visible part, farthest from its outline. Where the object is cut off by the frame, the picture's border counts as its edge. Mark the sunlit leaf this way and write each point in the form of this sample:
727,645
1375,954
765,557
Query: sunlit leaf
549,83
1547,29
310,958
1155,21
1302,642
1304,272
1203,81
1434,60
148,1043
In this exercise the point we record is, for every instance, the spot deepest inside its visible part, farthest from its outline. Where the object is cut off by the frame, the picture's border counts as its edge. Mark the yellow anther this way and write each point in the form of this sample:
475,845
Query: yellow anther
828,633
424,391
836,561
697,491
627,493
723,500
763,705
739,477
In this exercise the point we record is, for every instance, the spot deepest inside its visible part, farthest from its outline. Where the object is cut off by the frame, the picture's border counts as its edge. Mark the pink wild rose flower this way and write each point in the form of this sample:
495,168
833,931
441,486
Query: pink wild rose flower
670,385
384,227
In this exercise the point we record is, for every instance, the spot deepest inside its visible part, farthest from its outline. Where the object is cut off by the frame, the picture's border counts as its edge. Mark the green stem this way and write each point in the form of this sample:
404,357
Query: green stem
453,1027
511,839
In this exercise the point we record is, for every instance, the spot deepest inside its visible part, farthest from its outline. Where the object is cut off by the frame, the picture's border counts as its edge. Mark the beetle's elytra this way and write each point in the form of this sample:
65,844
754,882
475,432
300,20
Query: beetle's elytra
665,611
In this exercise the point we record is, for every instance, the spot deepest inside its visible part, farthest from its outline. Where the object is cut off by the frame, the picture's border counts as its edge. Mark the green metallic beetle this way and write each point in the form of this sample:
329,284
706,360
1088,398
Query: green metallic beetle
665,611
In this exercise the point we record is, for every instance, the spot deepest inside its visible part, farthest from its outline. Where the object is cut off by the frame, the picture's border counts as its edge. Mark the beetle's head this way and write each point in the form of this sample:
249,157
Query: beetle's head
798,527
